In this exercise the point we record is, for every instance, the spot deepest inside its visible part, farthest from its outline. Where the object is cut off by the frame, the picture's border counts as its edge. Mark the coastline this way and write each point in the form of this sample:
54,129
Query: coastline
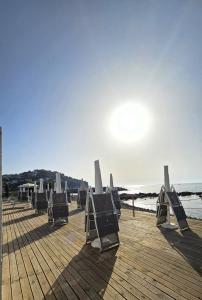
136,208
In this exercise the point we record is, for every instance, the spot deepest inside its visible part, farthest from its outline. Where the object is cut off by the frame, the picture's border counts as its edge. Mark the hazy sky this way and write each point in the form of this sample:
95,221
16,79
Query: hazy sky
66,65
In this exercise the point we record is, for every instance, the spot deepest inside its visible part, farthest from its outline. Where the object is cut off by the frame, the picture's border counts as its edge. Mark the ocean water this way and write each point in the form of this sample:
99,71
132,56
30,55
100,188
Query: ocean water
192,204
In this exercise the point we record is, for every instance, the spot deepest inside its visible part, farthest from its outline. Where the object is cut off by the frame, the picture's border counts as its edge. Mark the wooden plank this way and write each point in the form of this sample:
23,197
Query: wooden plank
66,288
55,264
52,256
185,287
105,272
23,281
121,274
34,270
6,280
45,287
90,278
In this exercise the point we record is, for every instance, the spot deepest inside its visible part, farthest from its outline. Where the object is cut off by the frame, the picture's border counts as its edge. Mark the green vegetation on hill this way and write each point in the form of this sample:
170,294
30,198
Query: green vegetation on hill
14,180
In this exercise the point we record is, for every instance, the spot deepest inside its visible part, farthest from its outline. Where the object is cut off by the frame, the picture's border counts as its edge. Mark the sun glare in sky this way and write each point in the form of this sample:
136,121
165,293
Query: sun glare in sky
130,122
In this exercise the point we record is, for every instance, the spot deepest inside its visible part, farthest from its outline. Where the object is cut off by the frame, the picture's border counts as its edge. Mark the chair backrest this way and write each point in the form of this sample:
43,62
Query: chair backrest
41,197
82,197
59,199
24,196
178,210
103,203
102,220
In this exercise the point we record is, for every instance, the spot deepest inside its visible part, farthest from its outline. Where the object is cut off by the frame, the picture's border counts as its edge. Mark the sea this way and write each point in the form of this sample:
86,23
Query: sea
192,204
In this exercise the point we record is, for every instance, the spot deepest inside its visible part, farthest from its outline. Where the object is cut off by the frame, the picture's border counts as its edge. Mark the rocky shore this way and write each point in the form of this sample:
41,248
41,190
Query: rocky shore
126,196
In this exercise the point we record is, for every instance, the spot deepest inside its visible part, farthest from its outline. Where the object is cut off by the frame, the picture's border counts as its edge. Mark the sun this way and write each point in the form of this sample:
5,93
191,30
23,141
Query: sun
130,122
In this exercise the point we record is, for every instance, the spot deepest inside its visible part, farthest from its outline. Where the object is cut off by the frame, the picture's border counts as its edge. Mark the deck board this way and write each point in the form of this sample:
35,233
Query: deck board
45,262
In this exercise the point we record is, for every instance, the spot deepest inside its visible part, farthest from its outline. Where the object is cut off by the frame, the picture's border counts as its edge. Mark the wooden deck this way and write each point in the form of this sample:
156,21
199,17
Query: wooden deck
42,262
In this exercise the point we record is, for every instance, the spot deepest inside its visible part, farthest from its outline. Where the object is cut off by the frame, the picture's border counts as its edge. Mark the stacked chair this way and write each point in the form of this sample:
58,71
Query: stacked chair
41,203
82,194
24,195
58,211
168,199
101,219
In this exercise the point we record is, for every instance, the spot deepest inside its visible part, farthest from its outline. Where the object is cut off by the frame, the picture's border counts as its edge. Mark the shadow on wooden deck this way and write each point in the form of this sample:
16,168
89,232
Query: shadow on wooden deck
30,236
21,219
83,277
188,244
75,212
15,210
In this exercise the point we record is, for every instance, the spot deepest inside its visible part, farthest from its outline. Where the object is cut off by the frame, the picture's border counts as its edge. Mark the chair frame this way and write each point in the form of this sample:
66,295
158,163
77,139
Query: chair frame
91,218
